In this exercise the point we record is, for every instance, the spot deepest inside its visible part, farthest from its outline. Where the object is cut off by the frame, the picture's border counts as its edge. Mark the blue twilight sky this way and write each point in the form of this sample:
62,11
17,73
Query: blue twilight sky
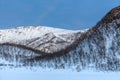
68,14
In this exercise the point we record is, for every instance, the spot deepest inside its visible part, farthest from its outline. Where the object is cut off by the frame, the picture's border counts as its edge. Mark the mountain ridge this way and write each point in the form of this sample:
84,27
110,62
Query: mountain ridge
45,35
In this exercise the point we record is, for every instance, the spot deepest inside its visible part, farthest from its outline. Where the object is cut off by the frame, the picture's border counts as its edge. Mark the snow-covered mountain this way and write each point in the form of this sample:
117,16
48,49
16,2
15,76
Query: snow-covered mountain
40,38
97,47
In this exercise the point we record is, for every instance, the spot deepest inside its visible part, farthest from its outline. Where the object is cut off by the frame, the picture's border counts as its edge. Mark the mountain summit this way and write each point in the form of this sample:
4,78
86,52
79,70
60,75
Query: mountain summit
97,47
112,15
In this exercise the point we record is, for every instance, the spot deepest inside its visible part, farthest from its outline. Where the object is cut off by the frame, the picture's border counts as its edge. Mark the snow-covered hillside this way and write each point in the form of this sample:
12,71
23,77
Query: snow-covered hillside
96,48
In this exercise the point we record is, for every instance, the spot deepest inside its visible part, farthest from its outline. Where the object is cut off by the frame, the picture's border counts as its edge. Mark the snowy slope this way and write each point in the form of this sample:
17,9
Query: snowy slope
96,48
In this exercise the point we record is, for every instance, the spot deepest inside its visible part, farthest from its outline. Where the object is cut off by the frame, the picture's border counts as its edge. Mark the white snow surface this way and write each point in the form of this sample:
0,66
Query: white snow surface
23,74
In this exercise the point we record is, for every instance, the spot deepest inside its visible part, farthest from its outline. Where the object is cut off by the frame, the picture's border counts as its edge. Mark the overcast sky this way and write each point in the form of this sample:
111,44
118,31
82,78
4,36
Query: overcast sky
68,14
